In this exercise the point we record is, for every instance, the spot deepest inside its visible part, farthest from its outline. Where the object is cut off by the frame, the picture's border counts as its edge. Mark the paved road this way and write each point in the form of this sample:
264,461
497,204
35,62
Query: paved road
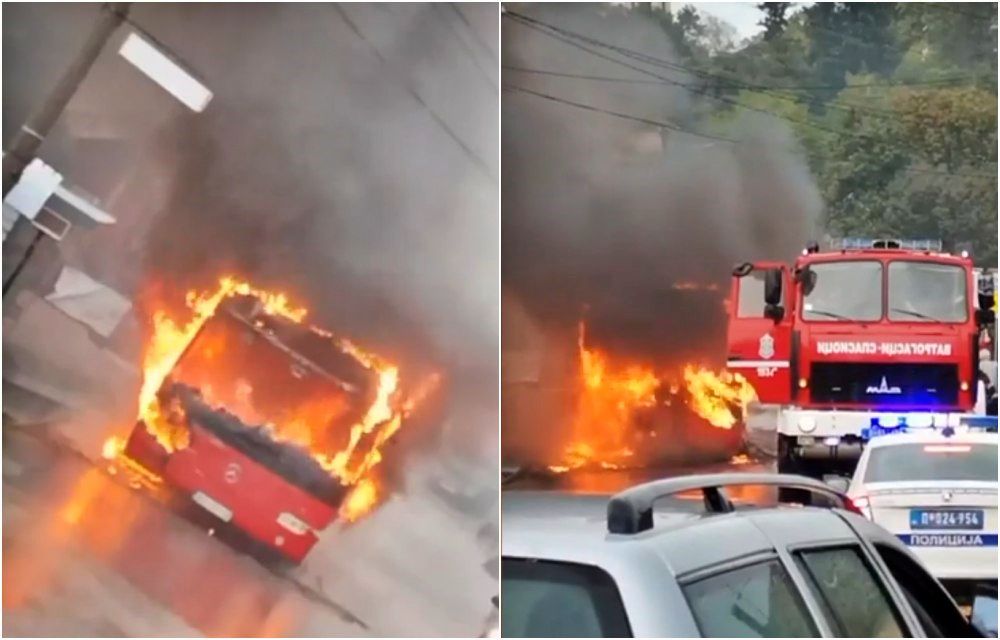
86,556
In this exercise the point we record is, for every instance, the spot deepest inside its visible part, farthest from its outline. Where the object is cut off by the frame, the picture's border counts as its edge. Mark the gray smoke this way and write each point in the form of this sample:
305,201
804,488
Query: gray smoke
602,215
313,167
350,161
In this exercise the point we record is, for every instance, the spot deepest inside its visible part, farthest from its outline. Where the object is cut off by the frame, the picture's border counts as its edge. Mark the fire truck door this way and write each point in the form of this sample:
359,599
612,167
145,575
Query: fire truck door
760,334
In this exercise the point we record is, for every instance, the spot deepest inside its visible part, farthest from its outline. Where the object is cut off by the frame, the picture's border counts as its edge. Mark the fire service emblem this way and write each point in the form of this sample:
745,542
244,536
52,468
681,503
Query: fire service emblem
766,349
232,473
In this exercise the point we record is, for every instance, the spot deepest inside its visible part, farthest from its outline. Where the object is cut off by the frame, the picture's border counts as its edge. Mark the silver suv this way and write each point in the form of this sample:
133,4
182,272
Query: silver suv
587,566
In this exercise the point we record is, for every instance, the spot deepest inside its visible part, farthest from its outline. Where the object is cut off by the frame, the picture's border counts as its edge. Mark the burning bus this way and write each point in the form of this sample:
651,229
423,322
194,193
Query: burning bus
269,424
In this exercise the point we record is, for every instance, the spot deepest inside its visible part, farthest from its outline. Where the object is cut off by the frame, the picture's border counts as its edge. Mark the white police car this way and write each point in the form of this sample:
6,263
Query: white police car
937,491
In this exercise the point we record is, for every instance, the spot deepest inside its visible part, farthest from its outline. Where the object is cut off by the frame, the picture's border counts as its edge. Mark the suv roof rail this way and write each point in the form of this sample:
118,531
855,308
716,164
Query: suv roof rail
631,511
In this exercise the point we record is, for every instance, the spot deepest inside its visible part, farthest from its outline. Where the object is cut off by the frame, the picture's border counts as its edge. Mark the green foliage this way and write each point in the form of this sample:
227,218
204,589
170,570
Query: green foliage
894,104
775,18
928,172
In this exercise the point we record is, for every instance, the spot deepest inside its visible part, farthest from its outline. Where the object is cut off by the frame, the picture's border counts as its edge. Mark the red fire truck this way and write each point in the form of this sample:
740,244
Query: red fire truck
245,371
866,337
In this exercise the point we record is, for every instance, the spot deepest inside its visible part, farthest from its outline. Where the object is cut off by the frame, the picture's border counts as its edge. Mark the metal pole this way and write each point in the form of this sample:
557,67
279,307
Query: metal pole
29,137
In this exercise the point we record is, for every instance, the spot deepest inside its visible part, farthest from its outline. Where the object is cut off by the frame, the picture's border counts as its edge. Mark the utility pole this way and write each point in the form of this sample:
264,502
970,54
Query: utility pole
29,137
23,238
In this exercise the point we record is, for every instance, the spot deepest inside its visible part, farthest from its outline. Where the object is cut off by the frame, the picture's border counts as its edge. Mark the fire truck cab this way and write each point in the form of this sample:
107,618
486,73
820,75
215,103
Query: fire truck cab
863,338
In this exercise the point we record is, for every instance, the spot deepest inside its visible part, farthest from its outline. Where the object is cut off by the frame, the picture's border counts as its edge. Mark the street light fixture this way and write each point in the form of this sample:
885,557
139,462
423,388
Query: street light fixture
166,72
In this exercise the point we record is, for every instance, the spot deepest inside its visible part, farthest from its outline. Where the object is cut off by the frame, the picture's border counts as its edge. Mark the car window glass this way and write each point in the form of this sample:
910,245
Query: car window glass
758,601
927,292
926,596
559,600
751,295
854,600
932,461
843,291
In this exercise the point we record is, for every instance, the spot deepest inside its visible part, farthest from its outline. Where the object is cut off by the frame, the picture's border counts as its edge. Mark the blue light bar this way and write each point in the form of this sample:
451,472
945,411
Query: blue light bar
885,243
876,427
986,424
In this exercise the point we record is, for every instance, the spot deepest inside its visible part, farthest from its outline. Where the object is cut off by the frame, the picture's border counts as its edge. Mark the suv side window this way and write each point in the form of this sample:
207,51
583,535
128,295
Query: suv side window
854,600
755,601
544,599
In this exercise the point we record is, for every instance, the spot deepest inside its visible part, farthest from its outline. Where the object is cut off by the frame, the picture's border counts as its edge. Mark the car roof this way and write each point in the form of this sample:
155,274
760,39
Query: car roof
925,436
573,528
685,543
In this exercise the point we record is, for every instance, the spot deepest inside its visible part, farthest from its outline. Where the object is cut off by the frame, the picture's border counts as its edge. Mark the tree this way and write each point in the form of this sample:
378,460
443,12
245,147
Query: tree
774,20
928,171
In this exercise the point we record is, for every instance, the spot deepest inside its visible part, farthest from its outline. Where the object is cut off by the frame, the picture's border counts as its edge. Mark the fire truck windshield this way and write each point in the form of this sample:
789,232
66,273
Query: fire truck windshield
849,290
927,292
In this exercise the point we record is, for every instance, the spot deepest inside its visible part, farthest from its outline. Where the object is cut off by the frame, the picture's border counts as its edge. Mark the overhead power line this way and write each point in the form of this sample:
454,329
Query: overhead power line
673,126
475,34
483,73
692,88
575,38
570,38
584,76
472,155
784,93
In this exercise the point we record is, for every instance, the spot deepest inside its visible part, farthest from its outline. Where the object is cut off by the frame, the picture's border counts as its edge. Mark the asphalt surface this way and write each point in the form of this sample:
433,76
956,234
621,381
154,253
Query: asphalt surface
84,555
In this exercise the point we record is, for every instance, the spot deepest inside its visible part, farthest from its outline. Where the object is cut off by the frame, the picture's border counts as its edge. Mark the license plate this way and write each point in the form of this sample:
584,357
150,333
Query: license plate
214,507
946,519
949,539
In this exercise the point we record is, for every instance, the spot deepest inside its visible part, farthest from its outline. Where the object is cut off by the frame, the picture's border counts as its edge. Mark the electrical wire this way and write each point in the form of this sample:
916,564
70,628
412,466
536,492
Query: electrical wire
673,126
545,27
479,162
565,37
468,49
583,76
475,34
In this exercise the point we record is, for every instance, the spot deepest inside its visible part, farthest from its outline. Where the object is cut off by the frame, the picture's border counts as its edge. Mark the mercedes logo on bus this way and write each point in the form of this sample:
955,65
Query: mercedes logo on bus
232,473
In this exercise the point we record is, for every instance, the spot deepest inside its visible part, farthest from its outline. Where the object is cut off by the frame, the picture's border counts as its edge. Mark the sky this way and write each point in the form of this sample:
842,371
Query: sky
743,16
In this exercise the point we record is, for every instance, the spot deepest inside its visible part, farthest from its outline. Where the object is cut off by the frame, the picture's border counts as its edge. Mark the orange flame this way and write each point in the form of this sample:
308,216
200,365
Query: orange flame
609,397
351,464
612,395
713,395
360,501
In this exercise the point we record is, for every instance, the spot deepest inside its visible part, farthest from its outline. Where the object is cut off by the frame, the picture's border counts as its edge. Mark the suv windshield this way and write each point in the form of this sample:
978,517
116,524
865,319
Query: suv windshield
927,292
932,461
843,291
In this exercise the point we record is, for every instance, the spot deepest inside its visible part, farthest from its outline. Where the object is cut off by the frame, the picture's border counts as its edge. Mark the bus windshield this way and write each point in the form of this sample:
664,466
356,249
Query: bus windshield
844,291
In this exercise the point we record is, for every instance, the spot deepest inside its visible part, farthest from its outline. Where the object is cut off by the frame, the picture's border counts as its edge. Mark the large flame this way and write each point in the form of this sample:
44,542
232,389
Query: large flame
352,464
613,394
713,396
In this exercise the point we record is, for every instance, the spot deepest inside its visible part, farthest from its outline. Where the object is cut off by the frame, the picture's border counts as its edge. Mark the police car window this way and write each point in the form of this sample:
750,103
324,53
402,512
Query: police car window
927,292
758,601
559,600
932,461
843,291
854,600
